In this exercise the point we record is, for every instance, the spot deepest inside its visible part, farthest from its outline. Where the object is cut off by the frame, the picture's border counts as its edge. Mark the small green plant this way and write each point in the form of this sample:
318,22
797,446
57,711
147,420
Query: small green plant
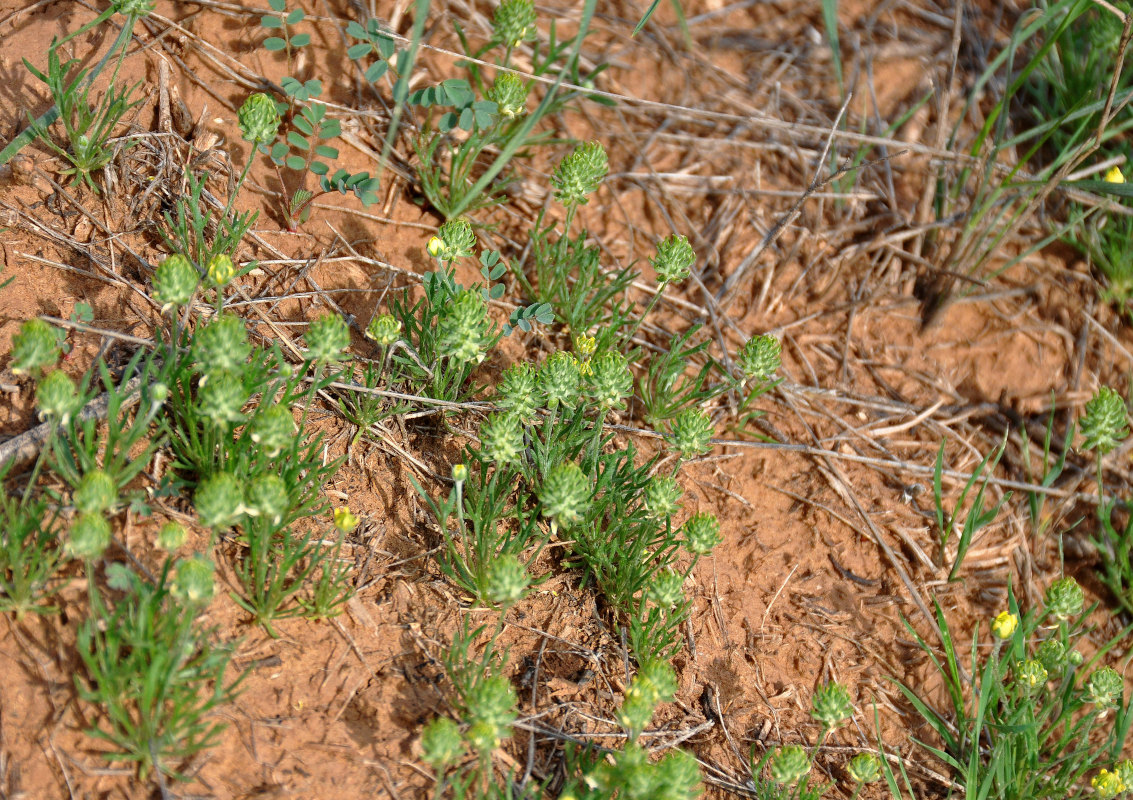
150,666
976,517
29,554
1104,427
1038,719
304,147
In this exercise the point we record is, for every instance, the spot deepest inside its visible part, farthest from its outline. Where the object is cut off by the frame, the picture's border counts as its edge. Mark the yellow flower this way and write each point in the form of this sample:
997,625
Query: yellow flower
1004,625
1113,175
1107,784
586,346
435,247
345,520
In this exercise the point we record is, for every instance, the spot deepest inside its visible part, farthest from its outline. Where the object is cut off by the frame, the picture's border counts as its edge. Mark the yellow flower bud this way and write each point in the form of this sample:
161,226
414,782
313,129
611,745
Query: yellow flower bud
1004,625
1113,175
345,520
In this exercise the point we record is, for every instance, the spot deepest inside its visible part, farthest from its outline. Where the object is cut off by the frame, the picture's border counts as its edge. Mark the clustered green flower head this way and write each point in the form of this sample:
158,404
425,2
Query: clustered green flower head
1053,655
462,328
565,494
441,743
761,356
193,582
1064,598
1105,687
35,346
174,281
1030,675
514,22
172,536
517,389
134,8
509,93
691,433
328,337
558,380
221,269
56,397
1124,771
611,382
1108,784
634,776
219,500
384,329
507,580
666,588
221,398
1003,626
864,768
789,764
654,683
501,438
491,709
96,492
222,344
274,429
455,239
1103,424
267,496
831,704
90,536
258,119
580,174
702,533
662,496
674,259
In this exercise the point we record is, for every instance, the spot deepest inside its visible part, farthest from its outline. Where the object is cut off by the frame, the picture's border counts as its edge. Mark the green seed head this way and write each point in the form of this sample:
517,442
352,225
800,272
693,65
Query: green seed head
1124,771
507,580
492,700
514,22
454,240
864,768
662,496
702,533
691,432
221,269
678,775
35,347
328,337
501,438
578,175
219,500
1105,687
459,473
193,582
462,328
258,119
565,494
1030,675
789,765
831,704
96,492
666,589
222,345
1103,424
659,677
174,282
384,329
172,537
1064,598
610,379
761,356
221,399
274,429
441,744
636,710
268,497
559,378
674,259
90,536
56,397
517,390
1107,784
509,93
483,737
134,8
1051,653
